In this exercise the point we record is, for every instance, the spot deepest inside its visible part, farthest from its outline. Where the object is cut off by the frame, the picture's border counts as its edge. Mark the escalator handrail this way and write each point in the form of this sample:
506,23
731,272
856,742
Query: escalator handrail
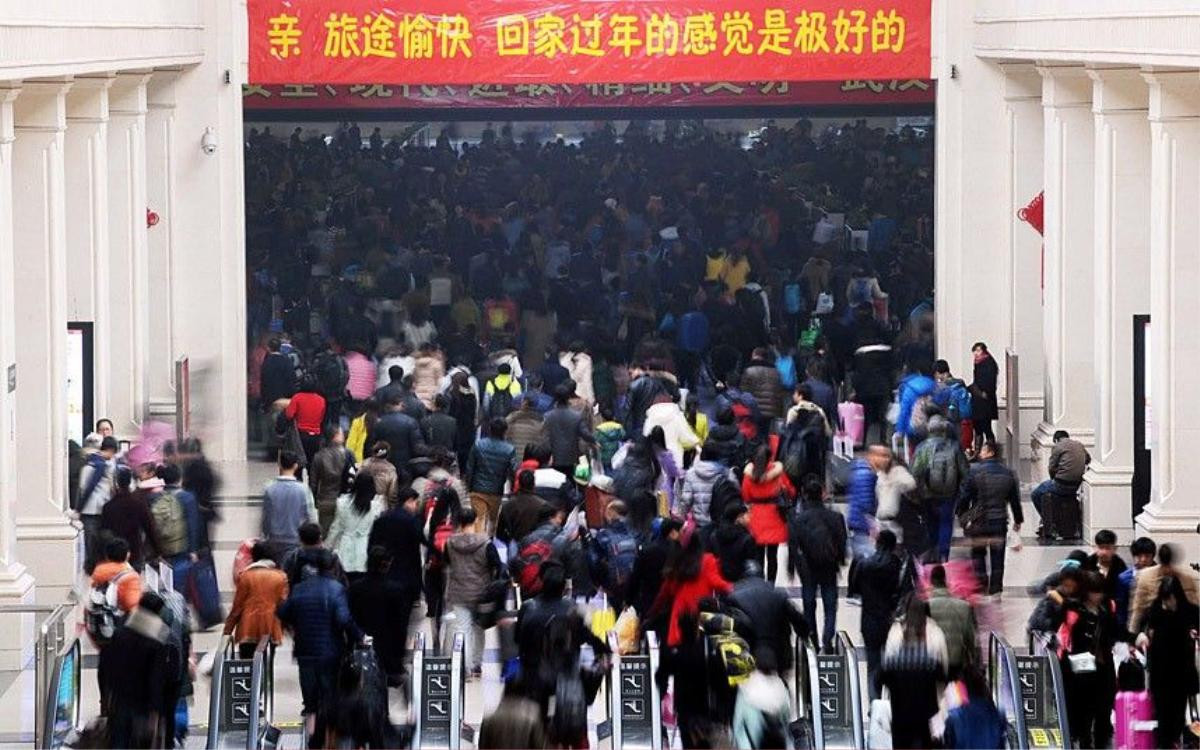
614,689
814,697
1060,697
1002,652
214,698
258,666
856,703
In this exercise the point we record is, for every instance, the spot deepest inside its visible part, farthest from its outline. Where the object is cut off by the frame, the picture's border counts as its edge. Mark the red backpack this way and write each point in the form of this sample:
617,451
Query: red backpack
530,559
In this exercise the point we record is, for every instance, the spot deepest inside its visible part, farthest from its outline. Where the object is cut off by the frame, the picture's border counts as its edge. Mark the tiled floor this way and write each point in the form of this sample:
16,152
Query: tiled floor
240,517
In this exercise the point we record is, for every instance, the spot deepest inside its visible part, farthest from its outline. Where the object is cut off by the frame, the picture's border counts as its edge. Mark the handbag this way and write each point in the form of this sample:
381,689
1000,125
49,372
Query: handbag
972,519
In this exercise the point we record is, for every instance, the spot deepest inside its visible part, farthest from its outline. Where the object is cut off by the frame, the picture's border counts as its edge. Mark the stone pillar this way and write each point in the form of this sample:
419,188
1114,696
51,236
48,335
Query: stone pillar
1024,124
128,304
44,537
1174,357
16,585
1067,320
1122,288
86,149
161,263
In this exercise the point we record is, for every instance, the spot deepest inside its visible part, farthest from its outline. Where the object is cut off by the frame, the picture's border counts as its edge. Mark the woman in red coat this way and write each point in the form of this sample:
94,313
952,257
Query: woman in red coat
763,484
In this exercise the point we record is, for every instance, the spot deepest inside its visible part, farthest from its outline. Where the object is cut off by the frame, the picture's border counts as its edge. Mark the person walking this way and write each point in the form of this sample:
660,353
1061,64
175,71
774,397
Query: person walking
766,616
524,425
940,467
862,505
381,607
877,579
306,409
353,520
471,564
402,434
138,672
491,462
957,621
984,500
766,488
328,472
127,517
318,615
438,426
975,724
913,671
763,709
695,496
1085,649
563,428
377,466
399,531
287,503
732,544
1168,637
259,591
817,552
892,484
1148,586
95,489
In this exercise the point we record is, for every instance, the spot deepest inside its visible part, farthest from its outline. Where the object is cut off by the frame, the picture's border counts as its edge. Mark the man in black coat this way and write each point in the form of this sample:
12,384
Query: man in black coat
402,433
138,673
278,375
377,603
765,616
817,552
877,578
400,532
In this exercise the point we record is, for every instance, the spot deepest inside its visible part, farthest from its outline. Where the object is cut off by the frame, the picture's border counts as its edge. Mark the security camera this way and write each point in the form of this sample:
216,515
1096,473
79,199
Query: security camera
208,143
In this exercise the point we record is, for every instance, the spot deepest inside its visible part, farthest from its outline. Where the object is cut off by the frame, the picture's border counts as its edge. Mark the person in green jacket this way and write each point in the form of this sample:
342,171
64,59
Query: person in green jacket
957,621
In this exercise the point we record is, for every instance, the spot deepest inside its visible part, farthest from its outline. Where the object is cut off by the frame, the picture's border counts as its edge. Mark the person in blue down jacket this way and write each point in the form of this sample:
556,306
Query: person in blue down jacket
912,387
862,504
317,613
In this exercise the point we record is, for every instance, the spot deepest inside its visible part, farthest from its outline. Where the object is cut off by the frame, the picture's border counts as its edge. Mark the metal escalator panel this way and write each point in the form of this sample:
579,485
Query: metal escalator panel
806,729
635,706
854,695
217,708
1028,689
1006,690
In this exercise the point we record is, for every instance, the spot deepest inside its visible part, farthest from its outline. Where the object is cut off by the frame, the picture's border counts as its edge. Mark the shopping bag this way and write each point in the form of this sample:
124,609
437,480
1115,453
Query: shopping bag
603,620
629,636
204,594
243,557
853,420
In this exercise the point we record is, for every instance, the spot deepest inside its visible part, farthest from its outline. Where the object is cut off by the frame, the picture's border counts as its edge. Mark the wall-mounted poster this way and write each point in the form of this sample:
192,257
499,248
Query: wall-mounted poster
80,369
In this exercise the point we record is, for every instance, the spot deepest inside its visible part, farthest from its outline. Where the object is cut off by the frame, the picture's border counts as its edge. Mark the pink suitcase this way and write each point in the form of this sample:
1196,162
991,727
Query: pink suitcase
851,415
1134,722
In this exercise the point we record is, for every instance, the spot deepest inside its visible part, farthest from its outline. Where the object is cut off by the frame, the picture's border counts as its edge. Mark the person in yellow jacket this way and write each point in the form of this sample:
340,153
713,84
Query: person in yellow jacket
360,427
715,262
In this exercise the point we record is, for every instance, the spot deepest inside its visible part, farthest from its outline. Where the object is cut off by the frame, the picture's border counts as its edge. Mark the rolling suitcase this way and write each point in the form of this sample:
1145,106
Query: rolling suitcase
1064,518
1135,723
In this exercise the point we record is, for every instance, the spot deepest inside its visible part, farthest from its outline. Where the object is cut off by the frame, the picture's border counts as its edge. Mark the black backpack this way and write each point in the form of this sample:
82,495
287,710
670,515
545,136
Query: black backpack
500,400
725,492
816,540
331,375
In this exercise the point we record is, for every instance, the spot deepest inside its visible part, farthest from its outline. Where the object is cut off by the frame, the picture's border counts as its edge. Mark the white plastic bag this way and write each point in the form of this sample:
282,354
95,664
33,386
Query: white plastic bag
879,733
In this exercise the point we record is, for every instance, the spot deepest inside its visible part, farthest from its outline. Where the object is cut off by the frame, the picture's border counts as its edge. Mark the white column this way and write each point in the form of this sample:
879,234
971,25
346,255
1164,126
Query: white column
86,149
44,538
1024,125
160,198
16,585
1122,288
210,235
1174,358
128,303
1067,321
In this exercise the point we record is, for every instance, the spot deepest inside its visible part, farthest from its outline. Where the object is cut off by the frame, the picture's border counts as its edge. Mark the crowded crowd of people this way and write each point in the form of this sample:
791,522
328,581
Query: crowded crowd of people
506,381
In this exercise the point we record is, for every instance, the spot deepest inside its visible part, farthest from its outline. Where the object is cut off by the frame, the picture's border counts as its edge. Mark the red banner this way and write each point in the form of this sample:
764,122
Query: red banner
564,95
586,41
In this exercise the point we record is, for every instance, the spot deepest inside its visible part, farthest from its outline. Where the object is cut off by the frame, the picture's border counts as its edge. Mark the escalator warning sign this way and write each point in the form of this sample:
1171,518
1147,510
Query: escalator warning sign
1039,738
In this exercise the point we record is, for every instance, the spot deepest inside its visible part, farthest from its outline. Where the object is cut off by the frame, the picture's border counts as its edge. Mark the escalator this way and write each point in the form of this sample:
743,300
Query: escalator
1028,690
634,704
828,697
242,702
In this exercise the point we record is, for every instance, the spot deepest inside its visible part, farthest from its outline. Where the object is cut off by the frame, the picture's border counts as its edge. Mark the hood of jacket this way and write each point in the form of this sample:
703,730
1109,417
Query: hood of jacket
467,543
662,409
708,471
145,623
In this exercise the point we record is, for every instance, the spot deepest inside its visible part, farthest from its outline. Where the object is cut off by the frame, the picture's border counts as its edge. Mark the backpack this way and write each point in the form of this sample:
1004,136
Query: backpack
786,367
959,406
170,524
622,551
737,660
943,470
99,467
816,543
725,492
102,612
530,558
331,375
918,422
500,400
793,299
